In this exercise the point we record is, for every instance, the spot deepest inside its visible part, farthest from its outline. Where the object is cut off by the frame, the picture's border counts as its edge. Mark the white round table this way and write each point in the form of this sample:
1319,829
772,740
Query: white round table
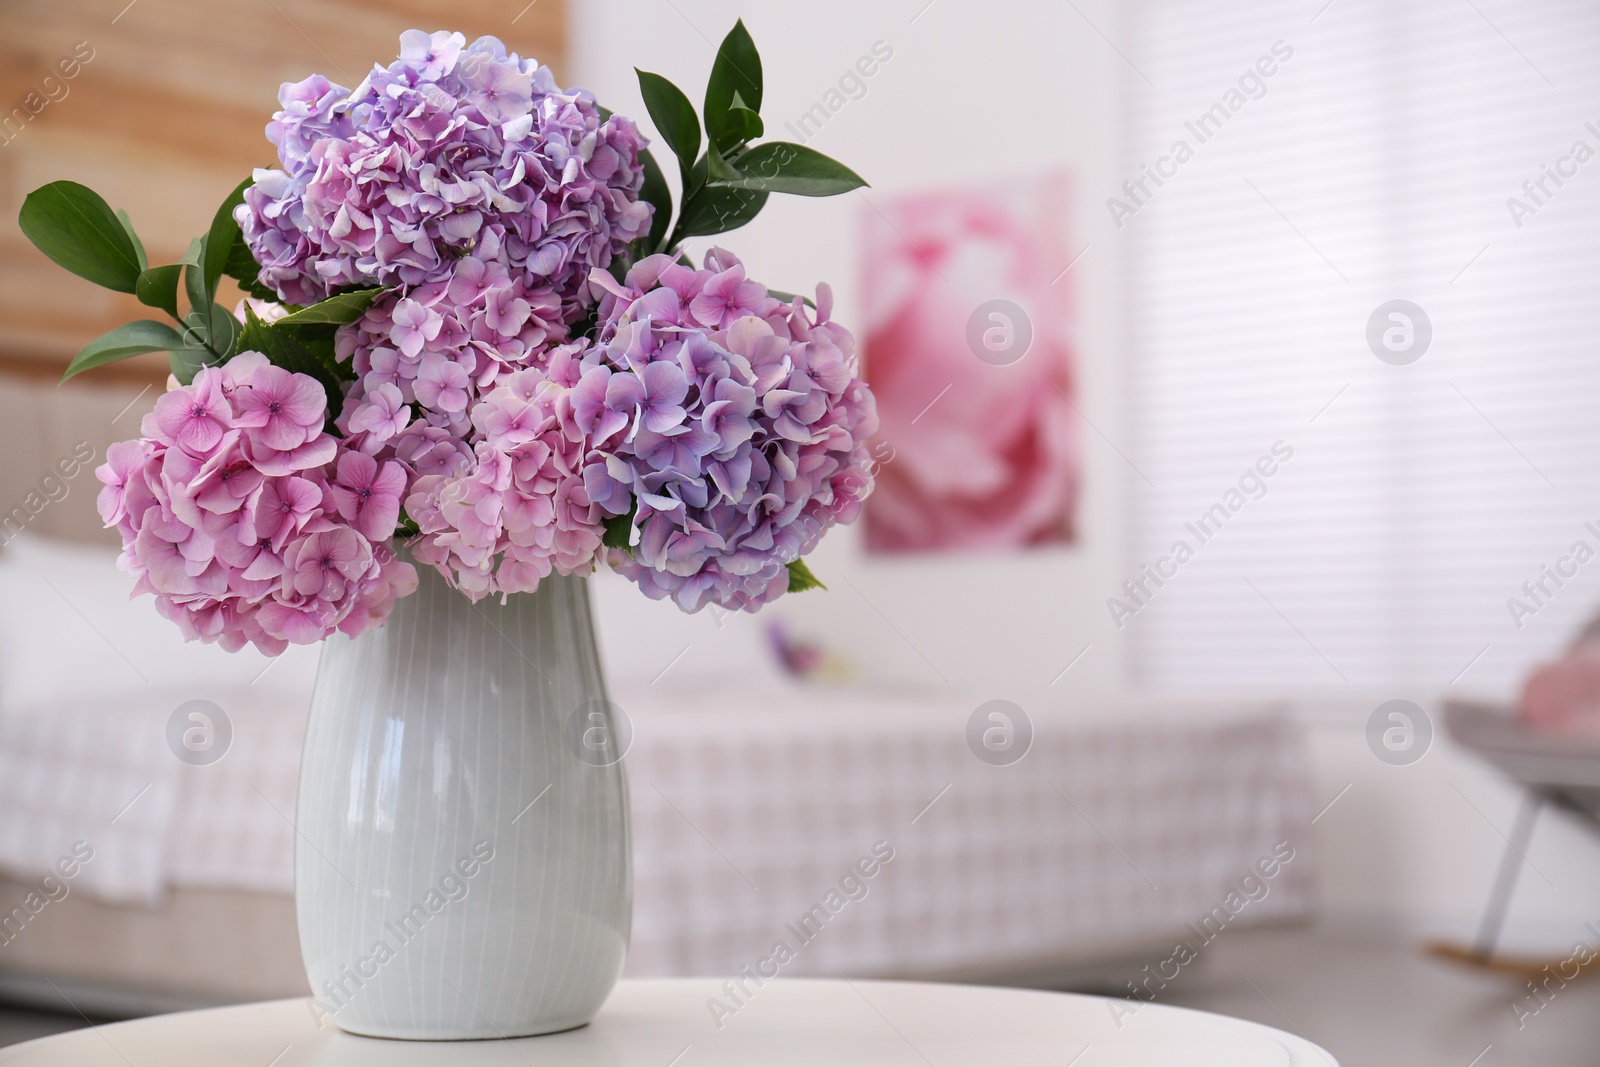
674,1023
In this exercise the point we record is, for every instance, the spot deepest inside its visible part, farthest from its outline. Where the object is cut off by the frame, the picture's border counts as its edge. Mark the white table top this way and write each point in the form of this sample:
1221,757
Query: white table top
667,1023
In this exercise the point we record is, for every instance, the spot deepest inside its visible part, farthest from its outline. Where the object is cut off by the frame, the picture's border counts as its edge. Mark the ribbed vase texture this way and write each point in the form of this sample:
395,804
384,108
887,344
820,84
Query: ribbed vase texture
462,858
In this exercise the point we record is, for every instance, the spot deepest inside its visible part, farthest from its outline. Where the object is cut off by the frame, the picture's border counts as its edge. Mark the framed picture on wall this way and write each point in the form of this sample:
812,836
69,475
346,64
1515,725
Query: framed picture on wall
970,351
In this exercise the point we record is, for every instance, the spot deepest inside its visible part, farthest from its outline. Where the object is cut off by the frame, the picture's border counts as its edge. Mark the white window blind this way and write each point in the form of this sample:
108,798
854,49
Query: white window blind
1375,163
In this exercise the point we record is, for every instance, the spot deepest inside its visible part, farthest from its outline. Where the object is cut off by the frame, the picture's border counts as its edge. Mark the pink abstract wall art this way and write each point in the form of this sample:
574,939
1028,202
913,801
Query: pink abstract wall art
969,349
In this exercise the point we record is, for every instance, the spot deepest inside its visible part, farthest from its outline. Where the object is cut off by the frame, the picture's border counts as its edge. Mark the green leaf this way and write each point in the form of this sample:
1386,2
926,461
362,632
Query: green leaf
737,71
224,331
243,268
346,307
194,283
132,339
133,235
223,236
789,298
185,363
718,169
619,529
674,116
655,192
697,179
782,167
78,230
158,288
718,210
801,578
283,349
194,279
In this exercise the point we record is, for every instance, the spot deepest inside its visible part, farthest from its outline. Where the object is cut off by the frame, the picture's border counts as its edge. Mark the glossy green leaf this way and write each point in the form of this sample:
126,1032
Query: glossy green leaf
243,268
337,310
184,363
72,225
737,69
283,349
132,339
801,578
782,167
133,235
224,331
674,116
619,528
718,169
656,193
223,236
194,284
718,210
697,180
752,126
158,288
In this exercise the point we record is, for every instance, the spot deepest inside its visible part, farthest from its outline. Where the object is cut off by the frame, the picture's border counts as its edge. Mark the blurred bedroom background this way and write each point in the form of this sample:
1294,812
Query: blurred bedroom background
1237,474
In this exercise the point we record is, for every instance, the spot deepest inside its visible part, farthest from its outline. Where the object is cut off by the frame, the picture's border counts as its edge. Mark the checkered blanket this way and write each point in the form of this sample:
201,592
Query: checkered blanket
755,822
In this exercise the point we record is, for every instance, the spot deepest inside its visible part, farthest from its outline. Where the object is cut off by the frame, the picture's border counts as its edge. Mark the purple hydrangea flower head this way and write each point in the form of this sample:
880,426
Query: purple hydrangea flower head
452,151
734,423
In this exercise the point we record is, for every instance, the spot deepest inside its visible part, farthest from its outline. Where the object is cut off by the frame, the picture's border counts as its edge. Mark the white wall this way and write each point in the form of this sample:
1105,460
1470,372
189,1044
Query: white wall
975,92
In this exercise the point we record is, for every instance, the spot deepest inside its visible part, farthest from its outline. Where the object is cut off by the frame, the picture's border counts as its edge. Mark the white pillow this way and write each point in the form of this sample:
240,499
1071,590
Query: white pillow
68,628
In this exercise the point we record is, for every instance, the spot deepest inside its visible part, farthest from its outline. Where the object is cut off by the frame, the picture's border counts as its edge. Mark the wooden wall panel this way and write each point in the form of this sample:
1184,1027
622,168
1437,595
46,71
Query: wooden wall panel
167,116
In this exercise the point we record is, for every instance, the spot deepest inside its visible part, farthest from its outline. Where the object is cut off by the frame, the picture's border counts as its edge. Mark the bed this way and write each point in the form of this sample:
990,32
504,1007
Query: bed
1127,827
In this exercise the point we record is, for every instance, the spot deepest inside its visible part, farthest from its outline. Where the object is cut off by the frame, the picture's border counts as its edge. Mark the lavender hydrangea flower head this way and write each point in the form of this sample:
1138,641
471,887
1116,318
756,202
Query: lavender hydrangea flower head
735,424
452,151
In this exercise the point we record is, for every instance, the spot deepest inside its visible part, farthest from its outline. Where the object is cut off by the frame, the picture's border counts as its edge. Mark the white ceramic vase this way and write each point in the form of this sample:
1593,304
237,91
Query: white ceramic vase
462,864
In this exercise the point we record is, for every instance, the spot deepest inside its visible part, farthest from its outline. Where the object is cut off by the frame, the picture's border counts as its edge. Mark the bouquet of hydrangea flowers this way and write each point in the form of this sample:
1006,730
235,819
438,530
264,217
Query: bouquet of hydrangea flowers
469,331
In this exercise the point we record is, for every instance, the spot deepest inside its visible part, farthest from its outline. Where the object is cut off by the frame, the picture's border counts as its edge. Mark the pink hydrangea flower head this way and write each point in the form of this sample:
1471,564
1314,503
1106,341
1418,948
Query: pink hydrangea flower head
285,409
521,511
248,523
